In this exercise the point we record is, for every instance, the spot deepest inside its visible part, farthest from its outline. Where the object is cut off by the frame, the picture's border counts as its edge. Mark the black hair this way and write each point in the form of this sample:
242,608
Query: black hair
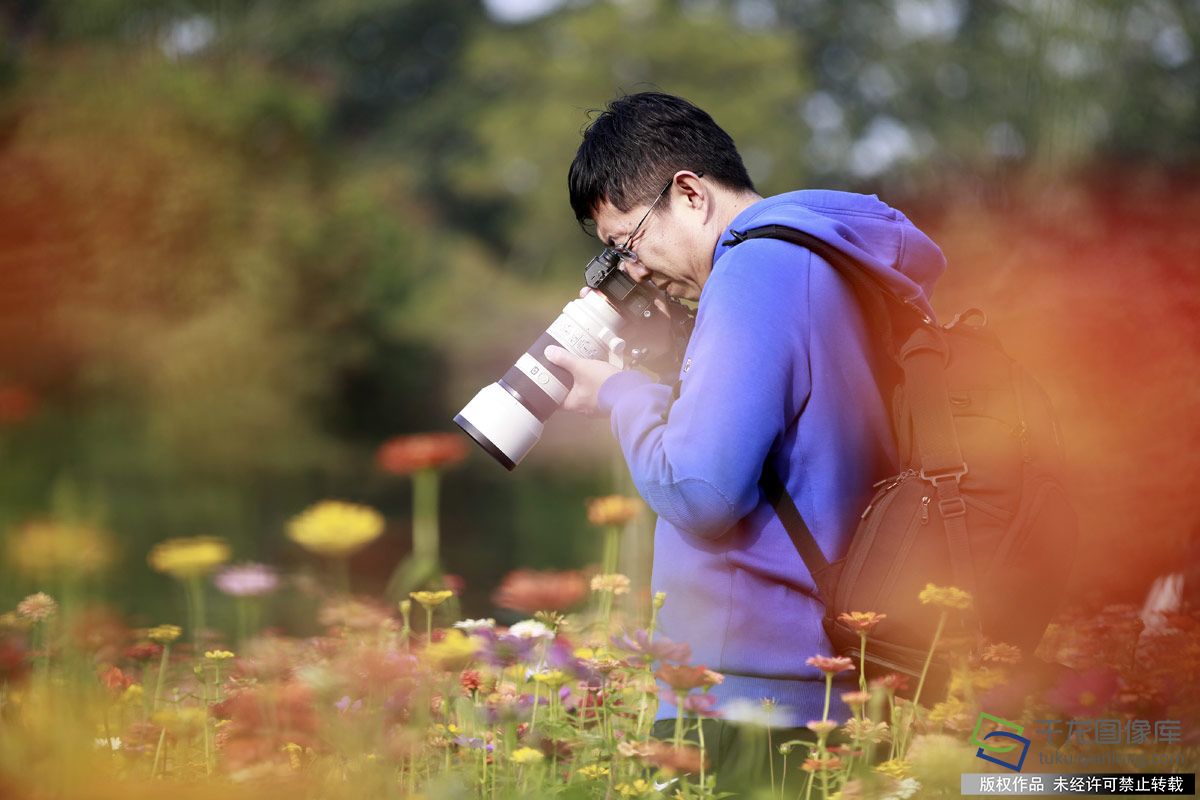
633,147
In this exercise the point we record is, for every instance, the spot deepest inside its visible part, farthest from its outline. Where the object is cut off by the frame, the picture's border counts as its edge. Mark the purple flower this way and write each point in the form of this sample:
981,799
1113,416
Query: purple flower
346,704
661,649
247,580
505,650
473,743
701,704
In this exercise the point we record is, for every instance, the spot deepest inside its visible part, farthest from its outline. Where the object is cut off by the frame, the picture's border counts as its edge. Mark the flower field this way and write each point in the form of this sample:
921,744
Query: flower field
414,700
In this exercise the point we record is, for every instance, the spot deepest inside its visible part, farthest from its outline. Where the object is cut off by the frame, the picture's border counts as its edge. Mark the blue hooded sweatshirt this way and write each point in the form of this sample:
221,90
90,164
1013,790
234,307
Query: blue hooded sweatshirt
778,370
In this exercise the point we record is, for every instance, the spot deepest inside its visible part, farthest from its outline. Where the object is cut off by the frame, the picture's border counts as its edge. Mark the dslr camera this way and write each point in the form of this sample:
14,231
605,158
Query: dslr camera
507,417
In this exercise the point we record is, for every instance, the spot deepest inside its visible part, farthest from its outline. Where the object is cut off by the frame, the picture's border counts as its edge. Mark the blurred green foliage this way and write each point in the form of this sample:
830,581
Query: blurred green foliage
241,243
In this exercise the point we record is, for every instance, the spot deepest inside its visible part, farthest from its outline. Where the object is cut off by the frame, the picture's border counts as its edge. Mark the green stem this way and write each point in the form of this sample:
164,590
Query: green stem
862,661
679,697
937,634
828,692
195,591
162,674
425,516
612,544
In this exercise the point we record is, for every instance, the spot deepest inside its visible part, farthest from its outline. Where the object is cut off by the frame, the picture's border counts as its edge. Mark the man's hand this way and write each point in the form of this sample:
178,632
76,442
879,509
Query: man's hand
588,373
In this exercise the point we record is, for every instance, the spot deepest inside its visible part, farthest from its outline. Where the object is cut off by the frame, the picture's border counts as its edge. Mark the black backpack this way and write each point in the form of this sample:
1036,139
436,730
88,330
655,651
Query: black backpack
980,504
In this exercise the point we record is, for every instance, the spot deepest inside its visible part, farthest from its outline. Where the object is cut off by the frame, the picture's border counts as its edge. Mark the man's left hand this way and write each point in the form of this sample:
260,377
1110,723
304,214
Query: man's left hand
589,375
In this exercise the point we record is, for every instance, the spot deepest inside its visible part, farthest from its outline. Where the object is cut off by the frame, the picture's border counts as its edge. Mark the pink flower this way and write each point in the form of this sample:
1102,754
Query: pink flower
831,665
1083,694
247,580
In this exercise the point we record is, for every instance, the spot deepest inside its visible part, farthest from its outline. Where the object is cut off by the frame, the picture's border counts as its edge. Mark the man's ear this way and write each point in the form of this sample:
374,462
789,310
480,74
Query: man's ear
693,190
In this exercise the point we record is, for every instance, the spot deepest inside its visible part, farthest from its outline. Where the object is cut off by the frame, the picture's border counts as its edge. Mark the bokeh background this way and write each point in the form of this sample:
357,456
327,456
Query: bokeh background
244,243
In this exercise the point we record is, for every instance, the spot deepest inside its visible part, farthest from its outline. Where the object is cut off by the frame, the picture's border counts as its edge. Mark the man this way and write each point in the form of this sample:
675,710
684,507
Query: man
779,372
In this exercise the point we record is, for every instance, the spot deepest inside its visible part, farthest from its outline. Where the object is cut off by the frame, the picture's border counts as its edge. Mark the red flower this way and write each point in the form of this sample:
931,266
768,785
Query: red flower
17,403
683,678
404,455
893,681
530,591
1083,694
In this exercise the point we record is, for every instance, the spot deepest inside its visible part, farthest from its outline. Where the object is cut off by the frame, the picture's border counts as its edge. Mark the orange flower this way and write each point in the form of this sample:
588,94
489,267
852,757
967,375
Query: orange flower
613,509
684,678
531,591
671,759
404,455
862,621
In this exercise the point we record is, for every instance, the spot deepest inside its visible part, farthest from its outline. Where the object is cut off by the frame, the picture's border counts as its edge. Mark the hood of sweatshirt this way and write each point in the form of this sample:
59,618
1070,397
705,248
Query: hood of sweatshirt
874,234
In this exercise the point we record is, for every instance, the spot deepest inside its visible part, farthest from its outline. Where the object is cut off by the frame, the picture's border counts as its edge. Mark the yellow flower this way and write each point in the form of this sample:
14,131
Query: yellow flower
947,597
45,548
181,720
189,557
553,678
431,599
527,755
133,693
615,583
454,651
218,655
593,771
636,789
335,529
1002,653
613,509
164,634
895,768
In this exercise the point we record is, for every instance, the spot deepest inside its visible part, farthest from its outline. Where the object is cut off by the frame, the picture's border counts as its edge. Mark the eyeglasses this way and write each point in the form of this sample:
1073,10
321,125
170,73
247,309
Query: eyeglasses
622,250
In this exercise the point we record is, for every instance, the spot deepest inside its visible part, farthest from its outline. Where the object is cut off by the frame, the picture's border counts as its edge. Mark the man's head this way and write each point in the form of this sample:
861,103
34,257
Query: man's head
652,152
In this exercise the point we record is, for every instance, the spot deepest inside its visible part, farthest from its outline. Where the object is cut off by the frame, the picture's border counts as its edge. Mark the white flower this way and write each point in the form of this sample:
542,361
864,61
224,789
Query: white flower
751,712
473,625
110,743
907,788
531,629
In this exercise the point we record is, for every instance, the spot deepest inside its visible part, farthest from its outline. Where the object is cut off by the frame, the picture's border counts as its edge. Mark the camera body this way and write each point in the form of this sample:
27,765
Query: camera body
506,418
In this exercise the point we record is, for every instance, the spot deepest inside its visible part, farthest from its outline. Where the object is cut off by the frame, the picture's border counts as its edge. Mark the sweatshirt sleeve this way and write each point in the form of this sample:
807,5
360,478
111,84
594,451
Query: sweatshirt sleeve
697,461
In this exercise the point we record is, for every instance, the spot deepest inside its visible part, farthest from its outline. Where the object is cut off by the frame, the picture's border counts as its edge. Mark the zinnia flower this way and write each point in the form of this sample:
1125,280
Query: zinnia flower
526,755
1001,653
407,454
335,529
453,652
867,730
661,649
615,583
683,678
218,655
613,509
37,607
46,548
530,629
189,557
247,580
671,759
473,625
862,621
821,727
894,768
831,665
947,597
164,634
430,600
530,591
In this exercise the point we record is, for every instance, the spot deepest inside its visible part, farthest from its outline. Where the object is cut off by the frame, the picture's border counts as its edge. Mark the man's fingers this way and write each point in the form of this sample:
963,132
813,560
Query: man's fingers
559,356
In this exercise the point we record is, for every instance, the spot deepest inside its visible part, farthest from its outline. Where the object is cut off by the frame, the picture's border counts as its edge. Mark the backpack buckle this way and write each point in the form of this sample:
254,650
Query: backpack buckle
955,473
952,507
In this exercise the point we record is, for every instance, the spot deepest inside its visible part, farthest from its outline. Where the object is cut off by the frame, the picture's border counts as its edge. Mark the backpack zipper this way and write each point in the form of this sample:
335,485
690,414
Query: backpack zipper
892,483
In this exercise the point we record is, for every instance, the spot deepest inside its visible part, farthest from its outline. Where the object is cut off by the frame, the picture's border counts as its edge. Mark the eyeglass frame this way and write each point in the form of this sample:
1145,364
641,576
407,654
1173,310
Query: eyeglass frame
623,251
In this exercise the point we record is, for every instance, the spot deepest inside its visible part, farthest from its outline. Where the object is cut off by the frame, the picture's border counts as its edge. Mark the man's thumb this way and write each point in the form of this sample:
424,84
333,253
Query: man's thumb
559,356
